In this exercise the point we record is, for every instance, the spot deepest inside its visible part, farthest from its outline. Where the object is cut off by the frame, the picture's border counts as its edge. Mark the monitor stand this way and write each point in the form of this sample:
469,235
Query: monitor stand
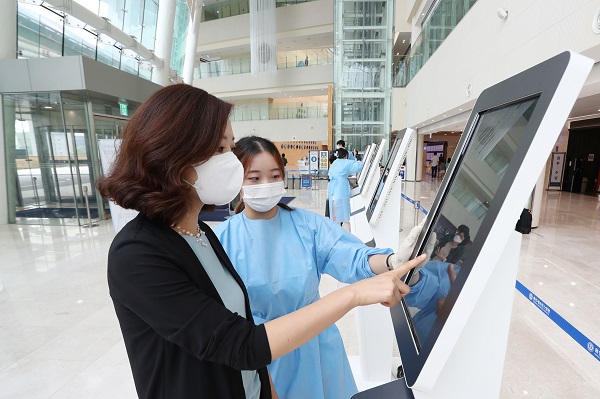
474,369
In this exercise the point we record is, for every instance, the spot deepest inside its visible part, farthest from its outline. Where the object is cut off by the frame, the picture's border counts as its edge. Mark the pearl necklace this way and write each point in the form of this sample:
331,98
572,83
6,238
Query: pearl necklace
197,236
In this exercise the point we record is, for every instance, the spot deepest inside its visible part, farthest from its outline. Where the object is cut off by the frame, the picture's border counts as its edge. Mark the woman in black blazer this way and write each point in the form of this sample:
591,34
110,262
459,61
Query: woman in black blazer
183,310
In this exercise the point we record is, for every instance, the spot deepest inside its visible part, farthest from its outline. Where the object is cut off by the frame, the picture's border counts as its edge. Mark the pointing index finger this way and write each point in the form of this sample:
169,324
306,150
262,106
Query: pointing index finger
406,266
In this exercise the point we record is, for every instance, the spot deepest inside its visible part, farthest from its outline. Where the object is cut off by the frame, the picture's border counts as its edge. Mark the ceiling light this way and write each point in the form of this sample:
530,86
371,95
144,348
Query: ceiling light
48,107
460,109
404,41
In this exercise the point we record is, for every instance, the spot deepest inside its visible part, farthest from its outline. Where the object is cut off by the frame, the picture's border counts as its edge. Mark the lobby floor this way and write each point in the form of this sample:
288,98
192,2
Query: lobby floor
59,337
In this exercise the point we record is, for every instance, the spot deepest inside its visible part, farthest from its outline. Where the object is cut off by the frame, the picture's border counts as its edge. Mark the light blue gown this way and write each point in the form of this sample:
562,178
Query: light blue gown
281,261
338,191
433,284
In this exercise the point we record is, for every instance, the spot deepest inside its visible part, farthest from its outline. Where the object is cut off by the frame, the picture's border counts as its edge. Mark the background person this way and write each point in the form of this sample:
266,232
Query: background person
435,160
342,144
338,191
183,310
290,250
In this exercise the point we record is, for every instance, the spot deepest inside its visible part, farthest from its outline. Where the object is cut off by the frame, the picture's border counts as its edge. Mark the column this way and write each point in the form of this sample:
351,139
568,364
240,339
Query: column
164,40
8,21
420,161
192,43
538,194
411,160
8,51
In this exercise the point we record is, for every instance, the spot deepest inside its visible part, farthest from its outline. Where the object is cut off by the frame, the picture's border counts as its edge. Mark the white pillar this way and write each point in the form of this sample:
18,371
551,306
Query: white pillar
192,43
8,21
420,162
8,50
411,160
164,40
536,207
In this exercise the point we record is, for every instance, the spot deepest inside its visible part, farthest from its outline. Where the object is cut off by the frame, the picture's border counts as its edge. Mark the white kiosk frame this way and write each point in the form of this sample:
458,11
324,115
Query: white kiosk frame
463,353
386,229
358,219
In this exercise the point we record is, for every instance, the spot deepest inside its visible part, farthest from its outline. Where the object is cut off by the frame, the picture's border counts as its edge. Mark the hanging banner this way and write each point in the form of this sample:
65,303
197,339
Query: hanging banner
556,169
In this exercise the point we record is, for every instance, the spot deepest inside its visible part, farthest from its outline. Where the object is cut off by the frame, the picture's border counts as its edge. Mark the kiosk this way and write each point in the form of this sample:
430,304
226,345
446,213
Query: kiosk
367,160
452,328
387,197
358,220
375,356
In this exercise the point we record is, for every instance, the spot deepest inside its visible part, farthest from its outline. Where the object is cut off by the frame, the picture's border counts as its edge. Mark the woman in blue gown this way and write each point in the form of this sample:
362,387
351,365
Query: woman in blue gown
338,191
280,253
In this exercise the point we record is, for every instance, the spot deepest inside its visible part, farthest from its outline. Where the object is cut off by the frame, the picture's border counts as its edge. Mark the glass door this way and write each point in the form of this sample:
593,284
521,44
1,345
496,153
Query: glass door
108,127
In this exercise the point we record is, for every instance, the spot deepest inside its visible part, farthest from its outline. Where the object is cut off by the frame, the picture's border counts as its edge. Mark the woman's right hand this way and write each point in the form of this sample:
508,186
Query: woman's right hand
386,288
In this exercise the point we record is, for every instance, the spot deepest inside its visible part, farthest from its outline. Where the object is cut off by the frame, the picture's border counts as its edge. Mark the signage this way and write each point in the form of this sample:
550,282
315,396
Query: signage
124,109
323,159
313,160
556,169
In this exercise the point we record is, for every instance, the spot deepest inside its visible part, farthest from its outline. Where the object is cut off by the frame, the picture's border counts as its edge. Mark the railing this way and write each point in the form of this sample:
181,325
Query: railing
239,65
264,112
232,8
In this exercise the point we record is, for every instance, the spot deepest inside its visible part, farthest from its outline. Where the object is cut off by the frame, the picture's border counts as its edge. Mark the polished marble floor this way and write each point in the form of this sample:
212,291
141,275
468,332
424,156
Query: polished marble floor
59,337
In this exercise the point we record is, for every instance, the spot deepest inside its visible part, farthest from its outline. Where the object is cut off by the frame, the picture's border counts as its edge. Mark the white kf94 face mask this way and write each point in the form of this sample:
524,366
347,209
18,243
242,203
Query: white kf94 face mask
219,179
263,197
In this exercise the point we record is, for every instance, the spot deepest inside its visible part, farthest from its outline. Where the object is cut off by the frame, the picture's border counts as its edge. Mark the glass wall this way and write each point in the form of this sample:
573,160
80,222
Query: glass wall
46,32
362,71
52,157
180,28
436,28
287,59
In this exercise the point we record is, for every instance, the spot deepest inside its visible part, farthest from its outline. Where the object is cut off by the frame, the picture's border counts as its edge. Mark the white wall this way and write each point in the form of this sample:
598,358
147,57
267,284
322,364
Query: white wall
283,129
483,50
312,18
291,79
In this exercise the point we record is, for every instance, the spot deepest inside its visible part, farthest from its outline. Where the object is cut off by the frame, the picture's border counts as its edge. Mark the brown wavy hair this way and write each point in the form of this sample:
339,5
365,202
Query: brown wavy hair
249,147
176,127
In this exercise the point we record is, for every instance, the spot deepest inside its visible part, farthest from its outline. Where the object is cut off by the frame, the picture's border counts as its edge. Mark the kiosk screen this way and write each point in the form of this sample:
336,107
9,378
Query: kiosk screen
470,191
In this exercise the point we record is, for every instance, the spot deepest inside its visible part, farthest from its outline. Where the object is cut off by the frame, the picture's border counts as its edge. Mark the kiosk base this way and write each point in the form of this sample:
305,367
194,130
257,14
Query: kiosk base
396,389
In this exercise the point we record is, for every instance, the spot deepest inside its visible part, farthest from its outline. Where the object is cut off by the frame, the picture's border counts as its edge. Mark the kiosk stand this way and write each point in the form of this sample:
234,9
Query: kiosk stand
474,368
452,329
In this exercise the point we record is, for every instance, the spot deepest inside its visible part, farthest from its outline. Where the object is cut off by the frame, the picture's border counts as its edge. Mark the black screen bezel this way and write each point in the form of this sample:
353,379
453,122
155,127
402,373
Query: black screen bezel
540,81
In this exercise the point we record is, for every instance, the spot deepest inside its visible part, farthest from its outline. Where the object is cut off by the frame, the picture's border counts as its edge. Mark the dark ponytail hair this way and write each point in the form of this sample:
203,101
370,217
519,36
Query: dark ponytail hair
246,149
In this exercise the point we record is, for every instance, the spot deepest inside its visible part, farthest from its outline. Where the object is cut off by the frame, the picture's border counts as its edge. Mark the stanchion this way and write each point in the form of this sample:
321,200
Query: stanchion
401,216
87,208
417,205
35,191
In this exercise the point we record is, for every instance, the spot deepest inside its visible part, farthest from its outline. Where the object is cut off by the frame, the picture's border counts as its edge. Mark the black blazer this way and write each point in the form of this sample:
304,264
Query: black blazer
181,340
